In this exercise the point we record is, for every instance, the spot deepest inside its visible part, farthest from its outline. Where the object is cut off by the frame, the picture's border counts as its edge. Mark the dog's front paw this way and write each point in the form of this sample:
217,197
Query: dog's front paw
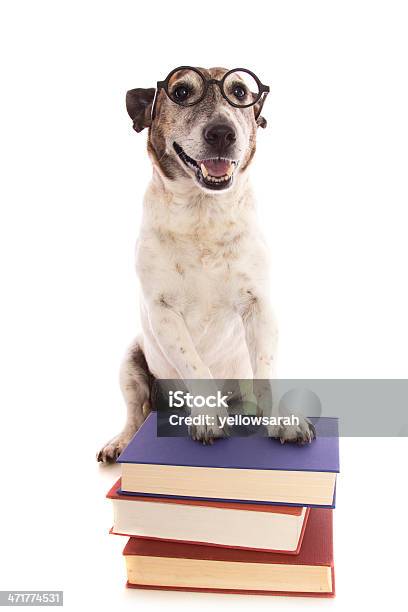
303,433
111,451
207,433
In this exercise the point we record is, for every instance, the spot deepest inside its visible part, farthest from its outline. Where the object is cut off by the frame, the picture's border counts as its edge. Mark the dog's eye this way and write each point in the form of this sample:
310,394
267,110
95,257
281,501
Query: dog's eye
239,92
181,93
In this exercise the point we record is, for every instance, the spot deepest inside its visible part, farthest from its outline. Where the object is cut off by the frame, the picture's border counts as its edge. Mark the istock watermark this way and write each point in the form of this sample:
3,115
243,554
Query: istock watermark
236,420
180,399
364,408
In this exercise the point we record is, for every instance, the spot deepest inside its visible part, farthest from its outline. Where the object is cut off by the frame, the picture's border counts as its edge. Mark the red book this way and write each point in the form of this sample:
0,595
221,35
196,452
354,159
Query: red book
154,564
240,525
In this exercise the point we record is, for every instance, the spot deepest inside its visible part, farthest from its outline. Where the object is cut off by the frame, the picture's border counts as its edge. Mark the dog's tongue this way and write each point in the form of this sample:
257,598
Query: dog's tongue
216,167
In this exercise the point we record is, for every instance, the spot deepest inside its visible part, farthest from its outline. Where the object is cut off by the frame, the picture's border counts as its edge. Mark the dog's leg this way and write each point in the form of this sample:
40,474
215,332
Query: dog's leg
135,384
174,339
261,337
260,333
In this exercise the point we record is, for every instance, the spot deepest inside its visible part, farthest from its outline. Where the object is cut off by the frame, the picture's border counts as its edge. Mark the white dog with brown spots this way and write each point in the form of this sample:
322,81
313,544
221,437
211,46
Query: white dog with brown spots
201,259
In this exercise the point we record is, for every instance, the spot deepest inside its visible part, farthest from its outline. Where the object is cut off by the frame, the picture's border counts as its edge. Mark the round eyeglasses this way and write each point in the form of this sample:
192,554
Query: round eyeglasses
188,86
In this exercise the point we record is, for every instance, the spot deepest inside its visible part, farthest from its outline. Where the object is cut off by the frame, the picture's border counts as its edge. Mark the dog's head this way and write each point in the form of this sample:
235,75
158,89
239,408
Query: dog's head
196,132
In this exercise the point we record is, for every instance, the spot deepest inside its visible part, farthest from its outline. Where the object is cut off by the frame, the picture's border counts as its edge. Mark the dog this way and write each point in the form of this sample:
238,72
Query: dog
200,257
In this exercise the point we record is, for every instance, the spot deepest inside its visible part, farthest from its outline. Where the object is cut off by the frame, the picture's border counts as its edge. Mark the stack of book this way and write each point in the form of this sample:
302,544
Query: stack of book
245,515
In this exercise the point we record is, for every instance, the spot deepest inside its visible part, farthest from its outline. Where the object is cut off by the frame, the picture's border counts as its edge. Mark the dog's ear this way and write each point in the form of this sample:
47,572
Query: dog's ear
139,106
260,121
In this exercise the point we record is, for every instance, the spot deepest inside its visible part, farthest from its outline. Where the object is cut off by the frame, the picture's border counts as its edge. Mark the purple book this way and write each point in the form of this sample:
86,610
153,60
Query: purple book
251,469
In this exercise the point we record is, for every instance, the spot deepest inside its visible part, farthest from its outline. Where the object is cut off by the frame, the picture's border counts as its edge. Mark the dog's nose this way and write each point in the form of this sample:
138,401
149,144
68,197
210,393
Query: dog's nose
221,136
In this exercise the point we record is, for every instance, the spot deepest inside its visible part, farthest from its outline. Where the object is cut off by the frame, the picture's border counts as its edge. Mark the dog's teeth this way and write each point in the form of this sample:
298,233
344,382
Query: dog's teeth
215,179
230,170
204,170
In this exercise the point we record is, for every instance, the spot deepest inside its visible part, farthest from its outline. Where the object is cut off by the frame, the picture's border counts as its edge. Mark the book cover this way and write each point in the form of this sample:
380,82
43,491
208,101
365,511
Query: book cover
258,453
251,469
316,551
230,524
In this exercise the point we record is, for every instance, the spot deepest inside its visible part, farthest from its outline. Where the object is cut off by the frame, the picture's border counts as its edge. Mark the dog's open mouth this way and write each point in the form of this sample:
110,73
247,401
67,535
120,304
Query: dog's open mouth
214,173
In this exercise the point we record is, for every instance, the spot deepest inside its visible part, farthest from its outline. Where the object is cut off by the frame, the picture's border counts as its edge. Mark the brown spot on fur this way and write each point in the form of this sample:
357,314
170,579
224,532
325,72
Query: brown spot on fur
243,276
249,303
163,302
164,237
167,301
160,158
230,240
179,269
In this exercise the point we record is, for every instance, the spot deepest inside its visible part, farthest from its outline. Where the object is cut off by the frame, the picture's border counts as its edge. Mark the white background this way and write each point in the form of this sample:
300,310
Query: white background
331,180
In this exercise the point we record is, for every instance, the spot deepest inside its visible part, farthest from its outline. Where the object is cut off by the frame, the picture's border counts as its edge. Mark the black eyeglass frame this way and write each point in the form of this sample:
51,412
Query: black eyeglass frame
263,89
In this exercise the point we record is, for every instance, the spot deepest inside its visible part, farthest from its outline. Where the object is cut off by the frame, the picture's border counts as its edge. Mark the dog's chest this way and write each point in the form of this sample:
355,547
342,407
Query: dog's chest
212,273
203,274
207,293
200,278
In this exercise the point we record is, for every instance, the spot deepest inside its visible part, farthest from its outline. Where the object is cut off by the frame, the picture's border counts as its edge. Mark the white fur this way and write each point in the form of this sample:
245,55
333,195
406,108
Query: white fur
203,270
